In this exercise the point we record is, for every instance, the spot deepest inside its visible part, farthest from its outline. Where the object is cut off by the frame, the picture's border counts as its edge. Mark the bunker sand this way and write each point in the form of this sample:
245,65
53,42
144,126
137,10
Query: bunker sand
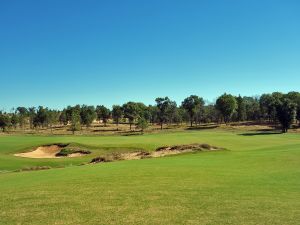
45,152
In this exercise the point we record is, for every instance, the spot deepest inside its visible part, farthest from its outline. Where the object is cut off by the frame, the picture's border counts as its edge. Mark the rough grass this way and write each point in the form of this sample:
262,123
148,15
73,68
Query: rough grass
256,182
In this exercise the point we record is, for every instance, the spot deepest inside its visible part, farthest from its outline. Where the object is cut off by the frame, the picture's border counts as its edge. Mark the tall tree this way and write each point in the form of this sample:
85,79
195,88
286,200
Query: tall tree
87,115
286,113
241,109
22,113
63,118
75,120
103,113
295,98
117,113
142,124
226,104
14,120
32,115
4,121
268,107
163,106
193,104
130,111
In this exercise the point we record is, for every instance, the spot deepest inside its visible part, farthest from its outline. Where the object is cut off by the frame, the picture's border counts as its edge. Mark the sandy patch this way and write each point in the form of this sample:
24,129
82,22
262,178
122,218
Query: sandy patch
43,152
159,152
46,152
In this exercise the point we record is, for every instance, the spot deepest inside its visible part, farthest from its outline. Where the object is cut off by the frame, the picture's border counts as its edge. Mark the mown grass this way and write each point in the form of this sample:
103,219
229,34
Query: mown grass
255,182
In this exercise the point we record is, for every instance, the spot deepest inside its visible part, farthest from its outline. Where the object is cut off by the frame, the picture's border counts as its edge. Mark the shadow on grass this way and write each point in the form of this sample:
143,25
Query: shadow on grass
202,127
261,133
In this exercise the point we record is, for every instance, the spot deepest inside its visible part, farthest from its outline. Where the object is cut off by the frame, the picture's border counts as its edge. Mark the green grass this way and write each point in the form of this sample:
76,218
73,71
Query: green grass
255,182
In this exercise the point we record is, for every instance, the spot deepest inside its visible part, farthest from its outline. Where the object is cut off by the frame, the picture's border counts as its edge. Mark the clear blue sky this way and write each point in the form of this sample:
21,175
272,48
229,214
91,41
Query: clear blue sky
55,53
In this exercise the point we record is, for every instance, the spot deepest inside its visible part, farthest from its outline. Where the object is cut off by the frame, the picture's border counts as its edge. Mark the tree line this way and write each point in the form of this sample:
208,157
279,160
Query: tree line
275,108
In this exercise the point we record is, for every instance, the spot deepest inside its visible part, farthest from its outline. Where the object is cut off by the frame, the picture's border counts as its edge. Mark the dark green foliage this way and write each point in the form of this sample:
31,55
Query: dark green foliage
75,120
286,113
103,113
241,109
14,120
117,113
226,104
164,106
87,115
68,151
4,121
268,107
193,105
130,110
142,123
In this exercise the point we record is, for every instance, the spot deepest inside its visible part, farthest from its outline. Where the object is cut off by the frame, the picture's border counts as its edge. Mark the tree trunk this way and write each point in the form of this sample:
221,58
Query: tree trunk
161,126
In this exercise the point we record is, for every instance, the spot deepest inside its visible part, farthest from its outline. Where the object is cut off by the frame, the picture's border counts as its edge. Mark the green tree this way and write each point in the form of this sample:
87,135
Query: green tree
142,124
22,113
226,104
52,118
163,106
267,105
117,113
87,115
103,113
4,121
75,120
295,98
193,105
241,109
63,118
41,118
32,115
130,111
14,120
286,113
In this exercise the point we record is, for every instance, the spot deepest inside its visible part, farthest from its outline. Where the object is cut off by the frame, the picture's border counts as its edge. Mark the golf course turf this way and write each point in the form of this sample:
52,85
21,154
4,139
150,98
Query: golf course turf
255,180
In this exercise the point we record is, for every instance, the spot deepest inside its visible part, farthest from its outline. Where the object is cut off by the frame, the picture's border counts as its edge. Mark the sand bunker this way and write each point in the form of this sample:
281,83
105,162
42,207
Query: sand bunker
47,152
159,152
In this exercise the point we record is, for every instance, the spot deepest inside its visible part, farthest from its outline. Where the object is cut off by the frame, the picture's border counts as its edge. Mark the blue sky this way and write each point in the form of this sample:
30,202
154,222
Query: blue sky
57,53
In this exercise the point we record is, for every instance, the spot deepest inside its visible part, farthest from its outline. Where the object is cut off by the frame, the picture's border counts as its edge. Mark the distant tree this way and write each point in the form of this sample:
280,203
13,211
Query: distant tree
32,115
210,114
22,113
75,120
14,120
153,113
295,98
226,104
4,121
142,124
103,113
117,113
63,118
286,113
253,111
130,111
163,106
143,111
192,105
268,107
87,115
41,118
52,118
241,109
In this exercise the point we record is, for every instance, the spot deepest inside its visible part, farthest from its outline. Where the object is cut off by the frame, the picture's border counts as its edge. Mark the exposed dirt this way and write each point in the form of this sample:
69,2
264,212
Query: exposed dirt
47,152
159,152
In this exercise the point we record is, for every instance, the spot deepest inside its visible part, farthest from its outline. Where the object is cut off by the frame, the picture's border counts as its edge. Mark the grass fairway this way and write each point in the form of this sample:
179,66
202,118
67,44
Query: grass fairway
255,182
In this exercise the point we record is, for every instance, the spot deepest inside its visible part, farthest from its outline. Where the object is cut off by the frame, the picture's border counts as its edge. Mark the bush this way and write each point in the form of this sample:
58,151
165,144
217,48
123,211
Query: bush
67,151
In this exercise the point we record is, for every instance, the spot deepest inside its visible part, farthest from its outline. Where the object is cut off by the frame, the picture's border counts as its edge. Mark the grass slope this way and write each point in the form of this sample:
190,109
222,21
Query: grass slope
256,182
